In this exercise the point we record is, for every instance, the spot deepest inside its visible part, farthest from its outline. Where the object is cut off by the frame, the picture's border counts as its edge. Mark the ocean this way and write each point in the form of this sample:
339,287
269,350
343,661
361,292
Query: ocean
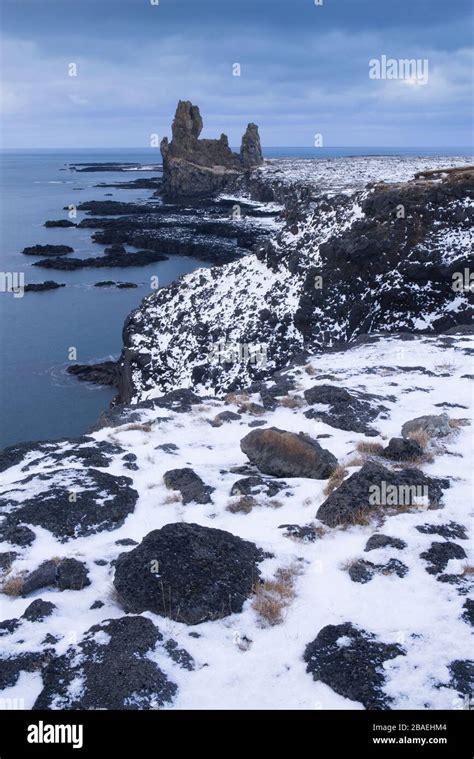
38,399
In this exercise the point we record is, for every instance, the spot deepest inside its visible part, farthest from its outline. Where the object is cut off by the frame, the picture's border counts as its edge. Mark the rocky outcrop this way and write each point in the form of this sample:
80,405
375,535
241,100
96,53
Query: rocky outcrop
284,454
194,167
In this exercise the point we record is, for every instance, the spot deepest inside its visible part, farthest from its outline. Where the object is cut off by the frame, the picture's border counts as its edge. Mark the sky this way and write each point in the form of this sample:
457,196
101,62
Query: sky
304,71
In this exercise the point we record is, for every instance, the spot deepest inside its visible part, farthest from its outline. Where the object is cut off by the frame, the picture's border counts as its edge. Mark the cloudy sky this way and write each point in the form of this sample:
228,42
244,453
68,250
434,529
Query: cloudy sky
304,70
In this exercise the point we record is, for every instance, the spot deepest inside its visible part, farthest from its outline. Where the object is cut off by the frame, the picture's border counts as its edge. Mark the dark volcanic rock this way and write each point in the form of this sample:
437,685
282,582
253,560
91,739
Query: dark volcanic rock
119,285
72,575
401,449
39,287
13,666
17,534
375,488
256,485
348,411
285,454
383,541
194,167
439,554
109,260
112,664
6,560
362,571
450,530
60,223
42,577
350,661
189,484
188,573
105,373
38,610
47,250
468,614
70,503
462,676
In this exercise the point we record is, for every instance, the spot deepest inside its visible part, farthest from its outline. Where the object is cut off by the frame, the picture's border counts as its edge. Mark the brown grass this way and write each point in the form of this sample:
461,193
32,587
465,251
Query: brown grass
271,597
421,437
335,479
243,505
146,427
292,401
236,398
457,423
467,570
251,408
310,370
369,449
13,585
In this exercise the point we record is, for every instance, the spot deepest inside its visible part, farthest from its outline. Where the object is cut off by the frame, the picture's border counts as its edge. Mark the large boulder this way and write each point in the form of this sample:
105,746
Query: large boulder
435,425
287,454
374,489
188,573
351,662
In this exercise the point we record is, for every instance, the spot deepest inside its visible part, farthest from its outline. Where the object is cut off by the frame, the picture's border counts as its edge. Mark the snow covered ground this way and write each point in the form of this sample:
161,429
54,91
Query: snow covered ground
240,661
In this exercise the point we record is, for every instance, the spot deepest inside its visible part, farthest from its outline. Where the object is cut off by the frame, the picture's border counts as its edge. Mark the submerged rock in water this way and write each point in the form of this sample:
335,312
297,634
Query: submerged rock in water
47,250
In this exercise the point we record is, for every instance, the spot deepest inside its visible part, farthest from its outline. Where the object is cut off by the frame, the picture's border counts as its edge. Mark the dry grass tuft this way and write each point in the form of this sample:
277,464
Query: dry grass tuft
145,427
173,497
467,570
457,423
292,401
236,398
271,597
421,437
335,479
13,585
355,461
309,369
243,505
369,449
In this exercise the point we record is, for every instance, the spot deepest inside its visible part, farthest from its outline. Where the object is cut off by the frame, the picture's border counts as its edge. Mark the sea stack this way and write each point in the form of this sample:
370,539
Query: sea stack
197,168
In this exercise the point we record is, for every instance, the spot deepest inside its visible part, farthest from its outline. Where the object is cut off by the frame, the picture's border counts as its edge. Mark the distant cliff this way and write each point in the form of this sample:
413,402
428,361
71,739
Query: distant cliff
196,168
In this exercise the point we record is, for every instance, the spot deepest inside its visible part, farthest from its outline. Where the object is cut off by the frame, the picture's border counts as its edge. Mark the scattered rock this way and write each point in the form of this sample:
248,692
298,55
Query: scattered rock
347,411
40,287
105,373
189,484
402,449
468,614
433,425
48,250
462,676
38,610
200,573
374,489
450,530
72,575
439,554
224,416
383,541
351,662
256,485
286,454
102,502
7,559
109,669
60,223
362,571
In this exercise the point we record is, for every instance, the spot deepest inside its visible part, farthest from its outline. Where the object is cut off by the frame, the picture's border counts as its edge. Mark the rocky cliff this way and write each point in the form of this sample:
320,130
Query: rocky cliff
194,167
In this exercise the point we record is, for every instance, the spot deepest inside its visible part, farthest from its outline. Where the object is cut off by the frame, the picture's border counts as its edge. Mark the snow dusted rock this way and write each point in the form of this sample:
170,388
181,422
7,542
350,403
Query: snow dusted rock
439,554
38,610
110,668
362,571
462,676
189,484
450,530
67,574
11,667
82,450
375,488
402,449
188,573
284,454
384,541
351,662
468,614
347,411
435,426
68,502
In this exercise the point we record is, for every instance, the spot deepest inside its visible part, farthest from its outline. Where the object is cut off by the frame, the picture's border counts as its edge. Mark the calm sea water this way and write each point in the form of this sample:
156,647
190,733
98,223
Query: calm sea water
38,400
